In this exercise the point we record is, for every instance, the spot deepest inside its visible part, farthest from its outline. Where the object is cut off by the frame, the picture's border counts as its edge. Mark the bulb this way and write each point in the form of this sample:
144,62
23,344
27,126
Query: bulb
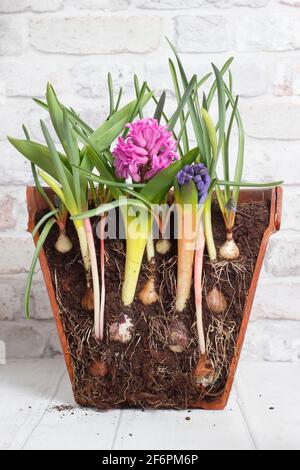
149,295
87,301
229,250
204,374
122,332
98,369
216,301
163,247
63,244
178,337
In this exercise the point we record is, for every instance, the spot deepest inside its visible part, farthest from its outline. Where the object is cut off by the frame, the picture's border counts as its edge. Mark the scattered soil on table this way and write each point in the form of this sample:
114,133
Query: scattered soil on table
63,408
145,373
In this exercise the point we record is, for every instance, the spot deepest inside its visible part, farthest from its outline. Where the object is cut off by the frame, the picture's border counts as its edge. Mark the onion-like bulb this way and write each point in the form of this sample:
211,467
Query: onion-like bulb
87,301
98,369
204,373
216,301
148,294
178,337
163,247
63,244
229,250
122,332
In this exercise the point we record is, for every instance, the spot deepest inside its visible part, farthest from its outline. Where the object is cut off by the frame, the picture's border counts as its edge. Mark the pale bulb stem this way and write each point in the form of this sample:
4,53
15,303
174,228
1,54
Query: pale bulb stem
200,244
98,322
211,248
102,267
150,248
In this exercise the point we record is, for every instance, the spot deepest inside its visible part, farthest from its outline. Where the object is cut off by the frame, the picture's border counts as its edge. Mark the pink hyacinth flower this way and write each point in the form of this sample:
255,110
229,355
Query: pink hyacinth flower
148,148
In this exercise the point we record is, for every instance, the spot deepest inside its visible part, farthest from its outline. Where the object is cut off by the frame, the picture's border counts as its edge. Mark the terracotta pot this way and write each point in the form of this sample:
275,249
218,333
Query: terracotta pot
35,204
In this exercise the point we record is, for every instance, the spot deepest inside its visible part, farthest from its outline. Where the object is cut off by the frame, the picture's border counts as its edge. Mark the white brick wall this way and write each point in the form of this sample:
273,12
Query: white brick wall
73,43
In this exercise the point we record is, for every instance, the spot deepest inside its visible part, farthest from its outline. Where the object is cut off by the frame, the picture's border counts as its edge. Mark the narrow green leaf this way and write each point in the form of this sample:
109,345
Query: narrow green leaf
247,184
241,147
185,98
222,106
195,121
103,208
166,119
182,114
39,246
204,102
212,135
116,184
111,95
118,100
60,170
160,107
56,114
43,220
74,116
226,148
137,108
103,137
214,85
137,92
72,151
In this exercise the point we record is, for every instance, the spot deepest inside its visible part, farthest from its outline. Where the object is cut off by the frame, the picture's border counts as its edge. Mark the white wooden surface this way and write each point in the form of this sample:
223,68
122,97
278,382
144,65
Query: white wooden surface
263,413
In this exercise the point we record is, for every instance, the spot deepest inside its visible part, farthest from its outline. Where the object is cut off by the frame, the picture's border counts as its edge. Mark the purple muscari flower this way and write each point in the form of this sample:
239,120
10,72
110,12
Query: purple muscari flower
199,174
148,148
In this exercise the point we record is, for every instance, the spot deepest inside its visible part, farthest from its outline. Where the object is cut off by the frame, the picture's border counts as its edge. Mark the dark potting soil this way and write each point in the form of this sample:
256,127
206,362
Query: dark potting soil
144,372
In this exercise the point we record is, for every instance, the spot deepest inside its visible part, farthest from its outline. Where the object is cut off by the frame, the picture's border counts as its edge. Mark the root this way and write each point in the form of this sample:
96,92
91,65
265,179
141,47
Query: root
221,340
168,285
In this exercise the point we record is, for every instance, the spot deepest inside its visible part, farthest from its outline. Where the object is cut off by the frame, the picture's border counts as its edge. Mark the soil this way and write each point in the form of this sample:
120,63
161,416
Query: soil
144,373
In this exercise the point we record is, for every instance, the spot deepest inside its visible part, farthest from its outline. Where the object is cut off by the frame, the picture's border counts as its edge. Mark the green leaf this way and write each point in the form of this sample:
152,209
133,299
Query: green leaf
43,220
117,184
186,96
103,208
247,184
39,155
118,100
40,188
100,163
111,95
195,121
183,129
137,92
35,177
56,114
204,102
138,107
226,147
39,246
103,137
212,135
166,119
72,151
75,118
157,188
160,107
241,147
60,171
214,85
222,106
